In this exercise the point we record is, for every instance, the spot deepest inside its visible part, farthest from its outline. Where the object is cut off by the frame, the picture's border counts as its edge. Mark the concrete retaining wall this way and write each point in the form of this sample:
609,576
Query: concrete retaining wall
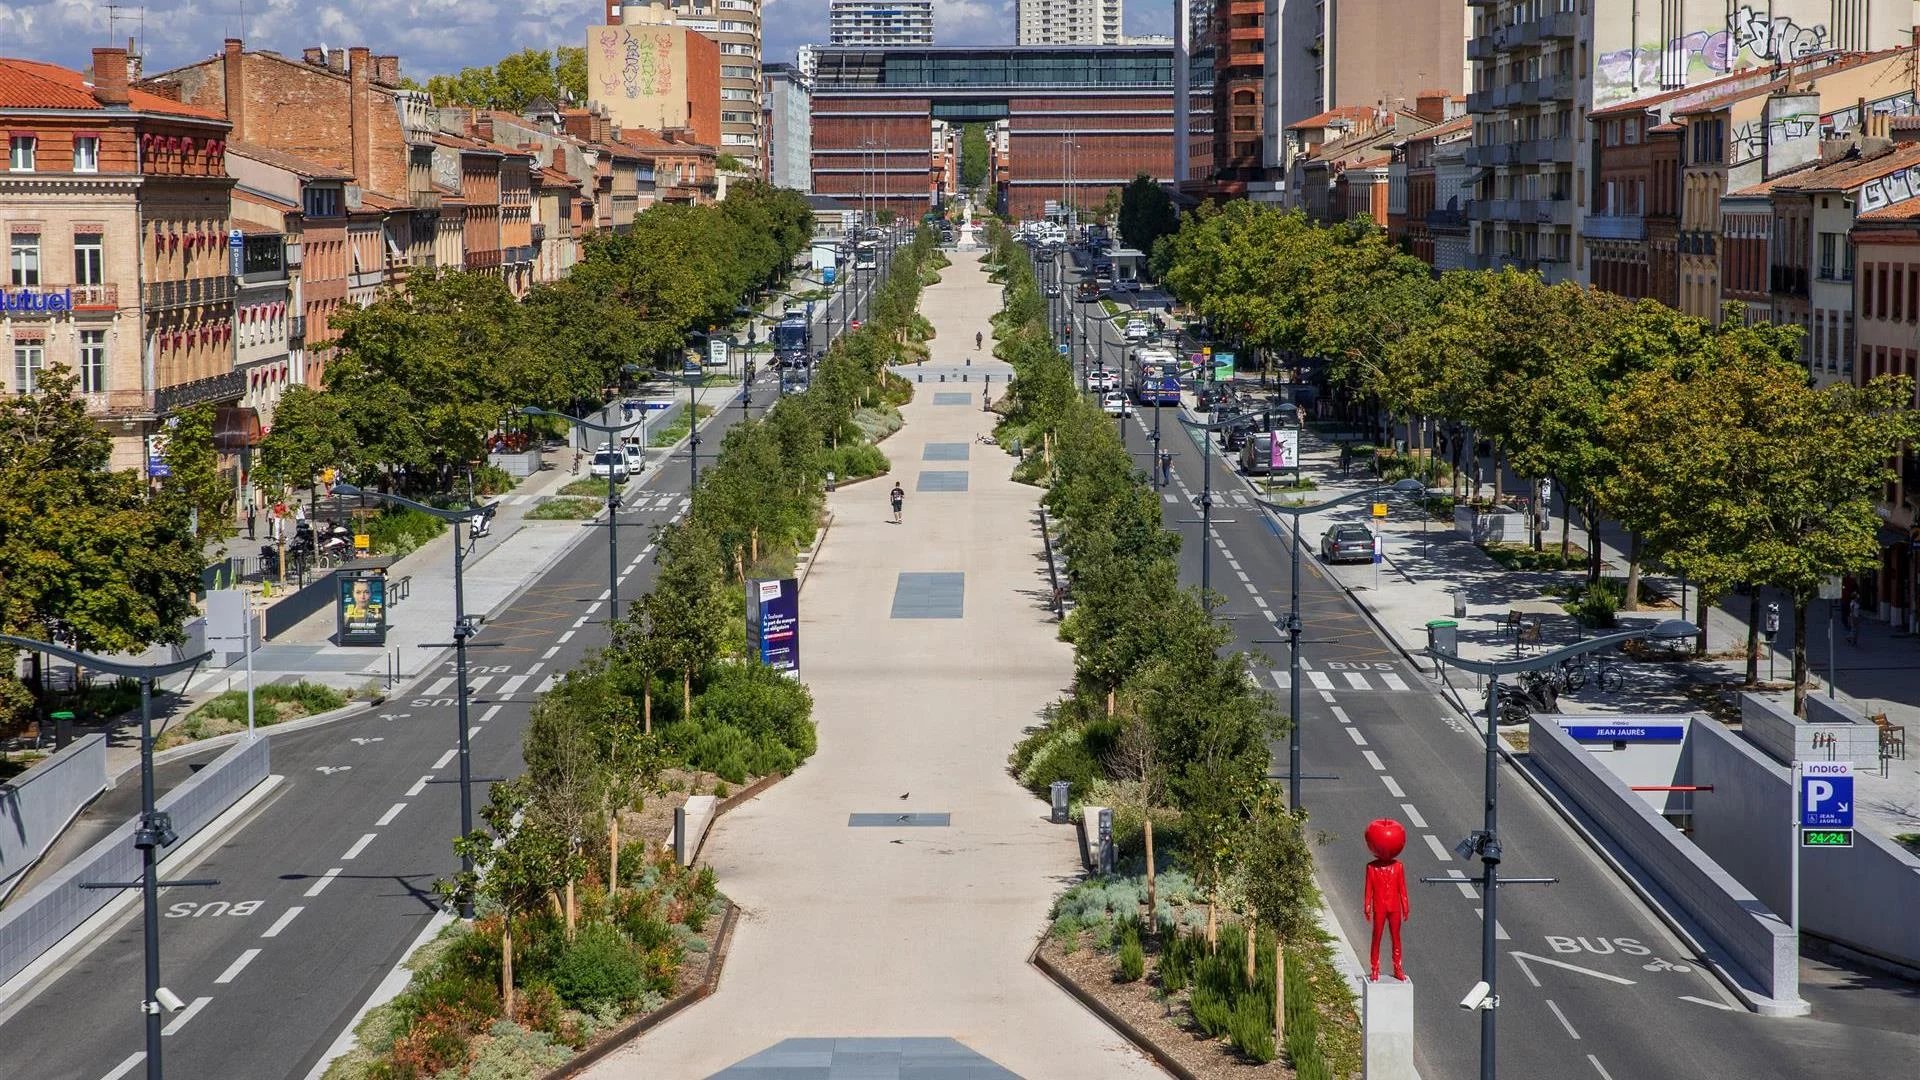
1785,737
1863,897
37,807
52,909
1756,939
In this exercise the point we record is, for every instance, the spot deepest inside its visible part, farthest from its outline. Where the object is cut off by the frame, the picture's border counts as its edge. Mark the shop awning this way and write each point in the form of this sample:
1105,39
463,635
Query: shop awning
236,428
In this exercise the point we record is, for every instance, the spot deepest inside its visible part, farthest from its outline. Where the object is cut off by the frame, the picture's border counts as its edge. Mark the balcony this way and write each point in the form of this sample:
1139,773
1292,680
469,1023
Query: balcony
1534,151
1514,93
1548,88
1447,221
226,386
127,403
1481,101
483,259
164,295
1481,47
539,234
96,297
424,200
297,328
1559,26
1615,227
294,255
1784,280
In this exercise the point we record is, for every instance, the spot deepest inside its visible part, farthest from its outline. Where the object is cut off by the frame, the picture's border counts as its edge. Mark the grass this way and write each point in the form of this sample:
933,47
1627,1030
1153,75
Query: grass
1523,557
678,430
566,508
1305,483
272,704
588,487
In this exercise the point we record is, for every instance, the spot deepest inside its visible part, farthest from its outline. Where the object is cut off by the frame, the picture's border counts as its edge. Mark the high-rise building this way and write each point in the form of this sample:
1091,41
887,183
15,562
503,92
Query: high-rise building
1540,66
1070,22
735,26
788,127
654,72
880,23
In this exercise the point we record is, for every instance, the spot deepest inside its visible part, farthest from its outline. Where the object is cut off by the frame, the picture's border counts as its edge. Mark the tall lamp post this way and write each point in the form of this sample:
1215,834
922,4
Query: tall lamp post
155,830
611,431
1407,486
1485,842
462,630
1205,445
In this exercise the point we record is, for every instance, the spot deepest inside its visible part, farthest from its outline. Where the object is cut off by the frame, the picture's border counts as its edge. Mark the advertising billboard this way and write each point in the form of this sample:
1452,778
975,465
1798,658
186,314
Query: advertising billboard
773,623
362,607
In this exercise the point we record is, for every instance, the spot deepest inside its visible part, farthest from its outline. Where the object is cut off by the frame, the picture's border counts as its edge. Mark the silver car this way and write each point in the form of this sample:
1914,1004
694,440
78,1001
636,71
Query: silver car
1347,543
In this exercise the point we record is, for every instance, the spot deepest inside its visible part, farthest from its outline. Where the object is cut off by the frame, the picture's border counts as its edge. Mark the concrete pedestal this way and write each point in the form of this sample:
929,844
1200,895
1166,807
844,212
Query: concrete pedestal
1386,1018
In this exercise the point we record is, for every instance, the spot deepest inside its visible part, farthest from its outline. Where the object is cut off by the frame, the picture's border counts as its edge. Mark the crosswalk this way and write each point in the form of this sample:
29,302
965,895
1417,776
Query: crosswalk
1365,678
644,502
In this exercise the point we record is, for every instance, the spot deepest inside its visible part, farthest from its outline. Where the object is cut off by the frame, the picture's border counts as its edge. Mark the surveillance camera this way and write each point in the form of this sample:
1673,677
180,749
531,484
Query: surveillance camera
169,1000
1480,997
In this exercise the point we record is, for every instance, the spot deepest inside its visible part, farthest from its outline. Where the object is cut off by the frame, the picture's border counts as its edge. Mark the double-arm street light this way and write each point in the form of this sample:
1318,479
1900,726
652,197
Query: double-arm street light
1295,513
1206,504
462,630
612,432
1485,843
155,830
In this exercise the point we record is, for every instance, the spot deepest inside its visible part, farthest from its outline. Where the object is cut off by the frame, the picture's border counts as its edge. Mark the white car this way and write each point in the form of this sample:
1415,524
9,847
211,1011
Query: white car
608,461
1103,380
1136,330
635,453
1116,404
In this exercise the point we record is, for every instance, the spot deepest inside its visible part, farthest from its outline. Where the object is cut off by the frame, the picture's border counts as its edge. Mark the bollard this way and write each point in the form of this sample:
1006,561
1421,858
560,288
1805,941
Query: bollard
1060,790
969,361
989,378
923,376
943,376
963,376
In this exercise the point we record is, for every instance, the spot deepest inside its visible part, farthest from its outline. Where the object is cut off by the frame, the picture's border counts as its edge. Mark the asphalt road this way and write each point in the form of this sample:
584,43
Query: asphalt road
1591,982
325,885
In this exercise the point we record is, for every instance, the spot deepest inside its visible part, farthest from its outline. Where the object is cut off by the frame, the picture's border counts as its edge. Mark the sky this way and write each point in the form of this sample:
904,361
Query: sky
431,36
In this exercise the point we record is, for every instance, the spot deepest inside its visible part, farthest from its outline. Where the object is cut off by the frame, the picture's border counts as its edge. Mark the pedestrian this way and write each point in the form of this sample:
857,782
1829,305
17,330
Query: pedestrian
1853,621
898,496
299,512
1166,467
977,339
251,521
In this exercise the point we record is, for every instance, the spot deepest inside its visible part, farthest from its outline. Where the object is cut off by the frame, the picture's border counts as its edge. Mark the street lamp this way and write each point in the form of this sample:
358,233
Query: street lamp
694,378
611,431
462,630
1206,505
155,830
1295,513
1485,842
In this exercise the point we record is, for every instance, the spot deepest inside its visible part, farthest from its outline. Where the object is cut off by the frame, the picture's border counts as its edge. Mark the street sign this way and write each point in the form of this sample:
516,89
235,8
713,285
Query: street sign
690,366
1286,450
717,352
1826,794
1635,731
1379,548
1828,838
1379,510
1063,348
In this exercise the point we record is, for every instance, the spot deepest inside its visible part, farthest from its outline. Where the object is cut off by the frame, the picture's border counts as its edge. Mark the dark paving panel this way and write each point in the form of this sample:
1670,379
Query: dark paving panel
938,595
946,451
942,480
946,398
912,819
866,1059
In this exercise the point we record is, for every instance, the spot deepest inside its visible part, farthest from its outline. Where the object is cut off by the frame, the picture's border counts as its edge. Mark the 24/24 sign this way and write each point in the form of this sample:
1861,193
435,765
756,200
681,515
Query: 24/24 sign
1826,794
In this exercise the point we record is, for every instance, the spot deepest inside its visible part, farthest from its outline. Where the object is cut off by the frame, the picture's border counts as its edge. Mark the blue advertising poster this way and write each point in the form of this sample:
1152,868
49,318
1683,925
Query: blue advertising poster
773,623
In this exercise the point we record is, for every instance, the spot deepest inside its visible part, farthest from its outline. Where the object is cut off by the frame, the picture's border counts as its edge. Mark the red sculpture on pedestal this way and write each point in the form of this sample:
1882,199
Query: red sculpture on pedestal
1386,897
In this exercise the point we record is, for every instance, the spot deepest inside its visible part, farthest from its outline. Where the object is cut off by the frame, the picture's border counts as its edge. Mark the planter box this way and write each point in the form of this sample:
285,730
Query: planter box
525,463
1502,526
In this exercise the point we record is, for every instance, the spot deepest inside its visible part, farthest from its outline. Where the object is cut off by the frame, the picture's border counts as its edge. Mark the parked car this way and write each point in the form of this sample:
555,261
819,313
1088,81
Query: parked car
608,461
636,454
1052,289
1116,404
1256,456
1347,543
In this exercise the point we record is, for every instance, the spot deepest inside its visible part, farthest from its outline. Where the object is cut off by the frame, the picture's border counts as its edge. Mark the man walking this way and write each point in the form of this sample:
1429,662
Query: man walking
1853,620
898,496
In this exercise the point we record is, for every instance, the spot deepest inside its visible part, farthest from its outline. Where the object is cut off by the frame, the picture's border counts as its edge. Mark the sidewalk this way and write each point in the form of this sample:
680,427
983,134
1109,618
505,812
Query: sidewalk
894,931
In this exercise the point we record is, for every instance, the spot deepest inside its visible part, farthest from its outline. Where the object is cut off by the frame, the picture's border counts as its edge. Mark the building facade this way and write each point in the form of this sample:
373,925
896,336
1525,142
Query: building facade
880,24
787,108
1069,22
1079,122
654,71
1887,300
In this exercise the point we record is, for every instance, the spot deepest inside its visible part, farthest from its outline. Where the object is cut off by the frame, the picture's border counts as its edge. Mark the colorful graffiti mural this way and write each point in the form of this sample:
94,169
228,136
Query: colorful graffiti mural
638,61
1749,38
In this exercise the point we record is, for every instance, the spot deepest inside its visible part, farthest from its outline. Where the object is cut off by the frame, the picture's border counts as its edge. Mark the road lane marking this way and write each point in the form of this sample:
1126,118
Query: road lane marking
1522,958
1282,679
359,846
1356,680
1373,759
286,917
1306,664
546,684
1499,932
534,668
1599,1068
593,608
1394,682
419,785
1358,739
1393,787
1722,1006
1413,815
234,969
446,757
438,686
474,686
1340,714
1242,575
126,1066
193,1009
1563,1020
491,713
513,684
565,637
1320,680
1439,849
1326,696
548,655
577,624
1258,600
605,593
386,819
1466,889
325,880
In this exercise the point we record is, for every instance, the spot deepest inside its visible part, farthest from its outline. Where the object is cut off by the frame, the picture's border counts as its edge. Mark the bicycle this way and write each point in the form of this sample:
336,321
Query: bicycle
1610,678
1572,674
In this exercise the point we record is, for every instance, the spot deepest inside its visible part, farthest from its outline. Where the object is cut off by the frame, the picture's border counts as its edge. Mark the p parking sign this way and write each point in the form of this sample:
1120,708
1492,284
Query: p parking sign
1826,794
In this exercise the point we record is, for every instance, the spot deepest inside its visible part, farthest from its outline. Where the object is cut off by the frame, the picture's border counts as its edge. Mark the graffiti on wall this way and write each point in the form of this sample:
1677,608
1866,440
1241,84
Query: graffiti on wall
1887,190
1841,121
634,62
1750,37
1754,136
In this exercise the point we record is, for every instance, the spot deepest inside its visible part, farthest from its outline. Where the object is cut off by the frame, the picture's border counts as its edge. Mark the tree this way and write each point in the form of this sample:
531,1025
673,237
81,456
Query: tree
1146,214
518,863
1275,874
311,432
974,156
570,70
688,602
194,488
564,779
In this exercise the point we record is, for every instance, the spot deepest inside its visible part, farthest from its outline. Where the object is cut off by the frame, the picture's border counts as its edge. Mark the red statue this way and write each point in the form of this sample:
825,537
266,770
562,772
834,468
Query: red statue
1386,898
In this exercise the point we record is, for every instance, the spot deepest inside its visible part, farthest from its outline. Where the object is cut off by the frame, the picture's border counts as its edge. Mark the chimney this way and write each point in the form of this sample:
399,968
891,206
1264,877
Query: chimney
133,63
337,61
110,76
386,71
483,125
359,123
315,55
1431,105
233,73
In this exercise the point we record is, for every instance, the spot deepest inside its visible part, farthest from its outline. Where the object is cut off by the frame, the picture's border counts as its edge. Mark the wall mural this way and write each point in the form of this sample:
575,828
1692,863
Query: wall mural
637,62
1749,38
1888,190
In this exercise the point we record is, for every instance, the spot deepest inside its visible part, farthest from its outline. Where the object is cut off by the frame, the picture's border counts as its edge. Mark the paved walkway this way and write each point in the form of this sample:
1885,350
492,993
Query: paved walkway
921,686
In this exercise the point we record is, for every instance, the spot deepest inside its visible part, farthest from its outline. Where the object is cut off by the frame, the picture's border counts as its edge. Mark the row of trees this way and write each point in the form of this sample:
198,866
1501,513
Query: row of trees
421,378
1706,442
558,77
1162,719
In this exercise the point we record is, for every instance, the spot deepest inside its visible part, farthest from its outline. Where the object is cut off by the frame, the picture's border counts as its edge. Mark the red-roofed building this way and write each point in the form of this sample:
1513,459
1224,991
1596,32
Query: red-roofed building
1886,239
113,206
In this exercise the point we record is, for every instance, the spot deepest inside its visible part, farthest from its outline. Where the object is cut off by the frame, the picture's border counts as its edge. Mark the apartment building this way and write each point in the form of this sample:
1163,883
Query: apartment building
880,23
1416,201
1067,22
1887,302
113,206
1541,66
787,106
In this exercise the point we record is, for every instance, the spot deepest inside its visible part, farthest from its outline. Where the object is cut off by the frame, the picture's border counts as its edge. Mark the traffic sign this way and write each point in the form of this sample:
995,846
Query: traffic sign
717,351
1063,348
1826,795
1826,838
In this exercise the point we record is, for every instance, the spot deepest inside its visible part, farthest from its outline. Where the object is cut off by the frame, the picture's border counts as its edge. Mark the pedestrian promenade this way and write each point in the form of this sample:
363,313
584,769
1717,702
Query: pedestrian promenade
928,649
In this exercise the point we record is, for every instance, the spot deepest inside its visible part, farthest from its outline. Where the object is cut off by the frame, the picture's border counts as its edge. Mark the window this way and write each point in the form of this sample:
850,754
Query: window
1846,266
20,157
29,360
86,153
23,259
93,361
1828,242
321,202
89,259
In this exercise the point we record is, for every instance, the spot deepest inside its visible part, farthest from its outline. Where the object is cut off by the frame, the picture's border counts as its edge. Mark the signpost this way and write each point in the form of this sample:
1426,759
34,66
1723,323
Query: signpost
717,352
1627,729
1822,817
773,624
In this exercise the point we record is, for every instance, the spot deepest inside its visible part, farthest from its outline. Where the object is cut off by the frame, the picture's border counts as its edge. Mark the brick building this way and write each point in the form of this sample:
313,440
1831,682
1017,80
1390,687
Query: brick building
1415,197
113,205
1887,302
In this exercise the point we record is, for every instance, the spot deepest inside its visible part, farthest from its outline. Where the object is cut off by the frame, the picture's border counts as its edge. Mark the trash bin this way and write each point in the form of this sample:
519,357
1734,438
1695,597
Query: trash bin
1060,789
1443,636
62,729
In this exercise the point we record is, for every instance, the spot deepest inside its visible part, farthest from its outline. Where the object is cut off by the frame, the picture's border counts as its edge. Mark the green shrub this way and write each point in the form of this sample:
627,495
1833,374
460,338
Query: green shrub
1062,756
1303,1027
1598,604
511,1052
598,966
1523,557
1133,959
491,480
271,703
587,487
565,508
1251,1027
854,461
398,530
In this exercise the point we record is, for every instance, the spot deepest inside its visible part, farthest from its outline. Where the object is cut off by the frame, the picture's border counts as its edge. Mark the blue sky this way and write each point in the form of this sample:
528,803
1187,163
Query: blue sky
431,36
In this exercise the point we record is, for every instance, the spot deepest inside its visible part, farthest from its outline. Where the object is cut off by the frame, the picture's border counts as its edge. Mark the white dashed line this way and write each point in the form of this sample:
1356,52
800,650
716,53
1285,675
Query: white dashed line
1358,739
1394,682
1439,849
1356,680
577,624
546,684
1562,1017
534,668
513,684
359,846
1320,680
280,923
565,637
1413,815
1465,886
125,1067
386,819
234,969
604,594
1282,679
491,713
1373,759
1722,1006
447,757
593,608
1340,714
1599,1068
438,686
548,655
474,686
193,1009
324,880
1243,576
1499,932
1258,600
1393,786
419,785
1327,696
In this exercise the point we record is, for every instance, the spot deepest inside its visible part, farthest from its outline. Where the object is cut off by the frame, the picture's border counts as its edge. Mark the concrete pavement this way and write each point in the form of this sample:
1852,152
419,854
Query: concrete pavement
928,649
